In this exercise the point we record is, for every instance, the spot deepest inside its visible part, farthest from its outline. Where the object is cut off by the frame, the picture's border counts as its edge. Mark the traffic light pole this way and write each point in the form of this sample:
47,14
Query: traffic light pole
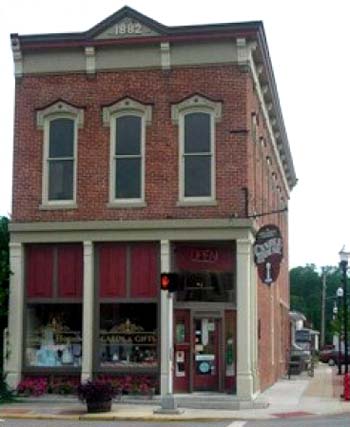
168,403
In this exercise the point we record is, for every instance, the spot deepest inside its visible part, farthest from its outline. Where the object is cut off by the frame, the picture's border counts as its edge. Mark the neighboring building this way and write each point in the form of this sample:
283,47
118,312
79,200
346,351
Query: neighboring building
302,337
141,148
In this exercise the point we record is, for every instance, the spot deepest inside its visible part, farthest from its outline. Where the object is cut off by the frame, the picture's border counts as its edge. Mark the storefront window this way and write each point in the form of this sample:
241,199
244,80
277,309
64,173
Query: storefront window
206,286
206,272
128,335
53,335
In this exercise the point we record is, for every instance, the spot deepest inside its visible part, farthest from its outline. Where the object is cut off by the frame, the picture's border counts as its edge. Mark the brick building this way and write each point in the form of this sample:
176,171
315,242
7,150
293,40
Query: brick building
139,149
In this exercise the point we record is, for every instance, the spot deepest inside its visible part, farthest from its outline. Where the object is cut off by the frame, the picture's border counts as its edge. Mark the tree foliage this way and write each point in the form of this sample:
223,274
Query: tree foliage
306,294
4,265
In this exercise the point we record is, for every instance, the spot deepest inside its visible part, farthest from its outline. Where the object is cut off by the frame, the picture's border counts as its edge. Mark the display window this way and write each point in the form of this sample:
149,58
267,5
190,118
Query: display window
206,286
128,335
53,335
206,272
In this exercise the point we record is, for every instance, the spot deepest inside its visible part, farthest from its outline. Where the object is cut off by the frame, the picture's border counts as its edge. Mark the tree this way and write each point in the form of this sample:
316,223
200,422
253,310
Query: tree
4,268
5,393
306,294
305,289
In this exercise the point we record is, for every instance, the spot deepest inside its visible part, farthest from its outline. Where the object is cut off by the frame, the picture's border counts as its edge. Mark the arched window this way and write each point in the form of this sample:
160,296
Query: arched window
127,120
60,123
196,118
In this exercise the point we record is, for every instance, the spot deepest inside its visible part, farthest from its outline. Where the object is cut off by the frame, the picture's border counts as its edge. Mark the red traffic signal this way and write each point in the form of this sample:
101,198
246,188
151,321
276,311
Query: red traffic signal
168,282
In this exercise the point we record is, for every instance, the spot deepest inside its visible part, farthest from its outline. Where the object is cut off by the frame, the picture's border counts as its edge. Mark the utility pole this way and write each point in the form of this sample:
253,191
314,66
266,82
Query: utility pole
323,306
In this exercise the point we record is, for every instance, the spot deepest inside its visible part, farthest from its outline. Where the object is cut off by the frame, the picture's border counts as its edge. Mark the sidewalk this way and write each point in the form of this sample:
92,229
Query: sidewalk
299,396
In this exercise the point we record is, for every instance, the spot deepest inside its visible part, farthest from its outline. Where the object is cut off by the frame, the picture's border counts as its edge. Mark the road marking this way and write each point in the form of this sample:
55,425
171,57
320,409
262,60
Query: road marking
237,424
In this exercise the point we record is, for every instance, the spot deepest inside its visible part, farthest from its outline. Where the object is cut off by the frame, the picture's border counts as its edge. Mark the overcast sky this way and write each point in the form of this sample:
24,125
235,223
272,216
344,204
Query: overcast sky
309,47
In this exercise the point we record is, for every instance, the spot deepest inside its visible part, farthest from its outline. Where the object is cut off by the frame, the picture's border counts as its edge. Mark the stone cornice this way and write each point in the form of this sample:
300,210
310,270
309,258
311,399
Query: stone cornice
269,102
215,223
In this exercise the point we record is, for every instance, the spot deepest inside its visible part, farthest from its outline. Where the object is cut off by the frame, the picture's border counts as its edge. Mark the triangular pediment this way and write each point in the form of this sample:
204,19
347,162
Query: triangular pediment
126,23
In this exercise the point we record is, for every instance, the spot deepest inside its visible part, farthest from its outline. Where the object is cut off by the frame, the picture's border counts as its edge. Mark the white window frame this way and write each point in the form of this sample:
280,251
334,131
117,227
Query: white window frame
196,104
58,110
126,107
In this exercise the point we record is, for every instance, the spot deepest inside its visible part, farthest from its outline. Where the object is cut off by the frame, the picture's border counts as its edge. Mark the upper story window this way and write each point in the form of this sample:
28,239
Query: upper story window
60,123
196,118
127,120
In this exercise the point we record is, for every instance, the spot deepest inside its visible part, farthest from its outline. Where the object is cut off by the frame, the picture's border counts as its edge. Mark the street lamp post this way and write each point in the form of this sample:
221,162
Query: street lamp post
344,257
339,295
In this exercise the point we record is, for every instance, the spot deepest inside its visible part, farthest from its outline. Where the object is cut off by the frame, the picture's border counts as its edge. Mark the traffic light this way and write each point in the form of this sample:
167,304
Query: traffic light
169,282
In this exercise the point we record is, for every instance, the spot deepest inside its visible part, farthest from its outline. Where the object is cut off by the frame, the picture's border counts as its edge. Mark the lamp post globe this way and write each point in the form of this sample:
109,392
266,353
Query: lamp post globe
335,310
340,292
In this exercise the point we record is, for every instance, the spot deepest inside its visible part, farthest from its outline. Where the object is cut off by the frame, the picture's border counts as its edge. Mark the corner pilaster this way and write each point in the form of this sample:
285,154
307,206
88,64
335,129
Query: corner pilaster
15,318
245,325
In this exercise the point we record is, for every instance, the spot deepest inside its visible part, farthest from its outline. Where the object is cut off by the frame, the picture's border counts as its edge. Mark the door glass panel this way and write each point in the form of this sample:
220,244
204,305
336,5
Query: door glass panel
180,332
205,347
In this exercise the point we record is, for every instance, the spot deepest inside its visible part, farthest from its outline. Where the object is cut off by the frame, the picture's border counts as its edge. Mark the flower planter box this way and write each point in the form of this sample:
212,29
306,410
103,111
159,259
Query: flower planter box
94,407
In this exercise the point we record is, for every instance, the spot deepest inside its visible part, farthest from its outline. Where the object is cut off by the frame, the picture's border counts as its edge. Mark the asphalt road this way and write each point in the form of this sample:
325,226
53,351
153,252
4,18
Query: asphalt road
334,421
331,421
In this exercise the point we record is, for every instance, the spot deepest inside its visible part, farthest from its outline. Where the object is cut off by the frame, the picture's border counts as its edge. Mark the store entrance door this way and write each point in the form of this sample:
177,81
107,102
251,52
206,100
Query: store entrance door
206,337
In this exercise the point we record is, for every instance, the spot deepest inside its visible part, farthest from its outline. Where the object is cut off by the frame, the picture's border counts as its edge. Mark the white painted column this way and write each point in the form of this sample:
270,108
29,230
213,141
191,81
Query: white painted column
88,311
254,326
245,385
166,327
15,317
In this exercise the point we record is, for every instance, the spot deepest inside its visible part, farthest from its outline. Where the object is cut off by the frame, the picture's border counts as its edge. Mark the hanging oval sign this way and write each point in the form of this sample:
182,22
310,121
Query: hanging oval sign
268,252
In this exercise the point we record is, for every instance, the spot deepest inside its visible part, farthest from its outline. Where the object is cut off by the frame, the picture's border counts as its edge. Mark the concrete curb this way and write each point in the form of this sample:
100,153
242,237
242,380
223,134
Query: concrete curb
151,418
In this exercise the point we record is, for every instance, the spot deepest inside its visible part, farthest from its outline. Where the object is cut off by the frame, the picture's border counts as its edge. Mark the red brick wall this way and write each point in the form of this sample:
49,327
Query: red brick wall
240,163
224,83
264,197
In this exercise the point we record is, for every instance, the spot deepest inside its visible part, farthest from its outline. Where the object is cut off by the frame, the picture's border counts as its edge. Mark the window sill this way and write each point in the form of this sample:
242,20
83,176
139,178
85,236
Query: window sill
58,206
188,203
126,205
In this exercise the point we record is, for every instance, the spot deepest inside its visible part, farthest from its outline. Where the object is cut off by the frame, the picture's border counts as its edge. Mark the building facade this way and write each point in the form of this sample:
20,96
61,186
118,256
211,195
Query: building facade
142,149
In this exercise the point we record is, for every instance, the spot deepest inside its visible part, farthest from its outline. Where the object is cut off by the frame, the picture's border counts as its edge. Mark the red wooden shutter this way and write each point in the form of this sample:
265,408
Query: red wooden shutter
112,272
70,271
39,271
144,271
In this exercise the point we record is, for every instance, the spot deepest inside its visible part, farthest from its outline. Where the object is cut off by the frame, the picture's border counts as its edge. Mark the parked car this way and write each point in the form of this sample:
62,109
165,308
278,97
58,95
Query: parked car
326,353
332,357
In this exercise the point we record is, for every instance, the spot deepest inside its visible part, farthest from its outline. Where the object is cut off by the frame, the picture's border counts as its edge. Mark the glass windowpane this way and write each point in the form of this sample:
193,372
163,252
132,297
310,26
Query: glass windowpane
197,133
61,138
128,335
197,176
206,286
128,178
128,135
61,179
53,335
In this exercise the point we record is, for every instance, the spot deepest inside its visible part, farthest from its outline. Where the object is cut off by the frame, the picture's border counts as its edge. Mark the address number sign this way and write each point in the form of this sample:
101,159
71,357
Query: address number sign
128,28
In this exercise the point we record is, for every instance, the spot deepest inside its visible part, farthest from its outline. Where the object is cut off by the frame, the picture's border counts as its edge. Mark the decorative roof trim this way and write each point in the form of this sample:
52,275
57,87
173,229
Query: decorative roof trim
157,27
127,105
198,102
59,107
